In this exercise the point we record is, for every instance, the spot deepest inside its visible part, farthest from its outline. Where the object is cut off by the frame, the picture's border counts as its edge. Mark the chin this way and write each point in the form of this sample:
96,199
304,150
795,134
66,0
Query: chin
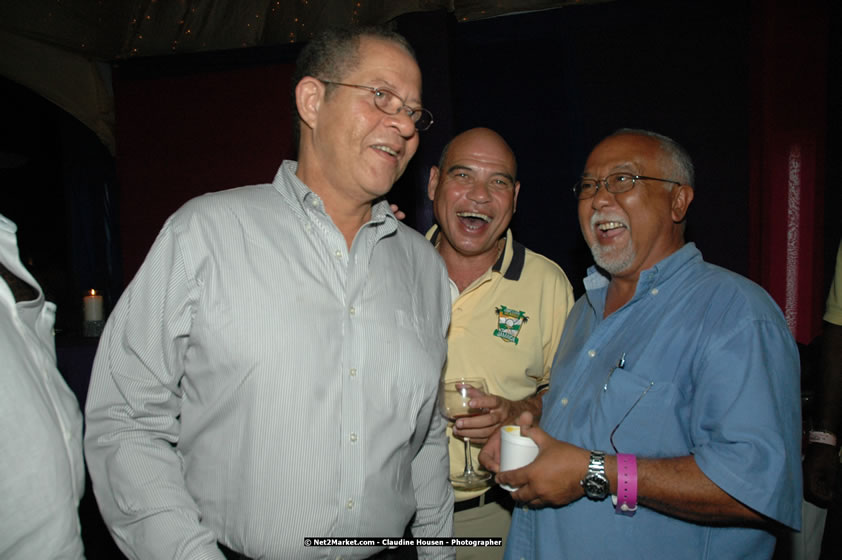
612,261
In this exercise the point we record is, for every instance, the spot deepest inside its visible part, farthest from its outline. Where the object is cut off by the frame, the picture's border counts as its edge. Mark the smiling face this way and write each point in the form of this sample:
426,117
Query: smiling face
349,147
632,231
474,193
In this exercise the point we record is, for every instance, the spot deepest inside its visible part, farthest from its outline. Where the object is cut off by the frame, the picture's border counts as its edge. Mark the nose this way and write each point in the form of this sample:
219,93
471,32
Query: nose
479,192
602,198
403,123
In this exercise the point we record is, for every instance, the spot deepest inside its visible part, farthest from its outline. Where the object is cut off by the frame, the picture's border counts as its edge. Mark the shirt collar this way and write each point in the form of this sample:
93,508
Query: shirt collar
598,279
288,183
509,263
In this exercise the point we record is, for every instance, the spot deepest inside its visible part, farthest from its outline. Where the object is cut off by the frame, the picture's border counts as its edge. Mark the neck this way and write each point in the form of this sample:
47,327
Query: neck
464,270
620,291
348,213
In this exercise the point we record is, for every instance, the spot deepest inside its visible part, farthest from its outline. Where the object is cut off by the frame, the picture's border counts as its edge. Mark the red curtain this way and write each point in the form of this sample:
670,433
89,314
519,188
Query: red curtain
179,137
788,137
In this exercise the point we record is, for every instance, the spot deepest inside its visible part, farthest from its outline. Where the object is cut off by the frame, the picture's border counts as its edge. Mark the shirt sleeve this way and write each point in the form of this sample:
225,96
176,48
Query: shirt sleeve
746,421
132,413
431,468
562,302
833,311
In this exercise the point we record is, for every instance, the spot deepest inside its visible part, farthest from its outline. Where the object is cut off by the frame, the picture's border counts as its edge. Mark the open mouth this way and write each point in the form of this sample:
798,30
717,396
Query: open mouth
610,226
386,149
473,220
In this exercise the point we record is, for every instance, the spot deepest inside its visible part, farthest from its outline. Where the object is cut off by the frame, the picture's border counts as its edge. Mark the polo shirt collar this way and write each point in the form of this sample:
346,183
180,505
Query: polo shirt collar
509,264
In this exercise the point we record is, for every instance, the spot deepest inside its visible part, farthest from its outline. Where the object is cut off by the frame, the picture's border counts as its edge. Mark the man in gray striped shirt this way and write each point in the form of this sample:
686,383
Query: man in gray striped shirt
271,372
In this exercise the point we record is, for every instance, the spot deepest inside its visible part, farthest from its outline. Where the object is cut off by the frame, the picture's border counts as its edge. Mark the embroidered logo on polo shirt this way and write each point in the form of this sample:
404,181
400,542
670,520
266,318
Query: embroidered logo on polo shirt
509,322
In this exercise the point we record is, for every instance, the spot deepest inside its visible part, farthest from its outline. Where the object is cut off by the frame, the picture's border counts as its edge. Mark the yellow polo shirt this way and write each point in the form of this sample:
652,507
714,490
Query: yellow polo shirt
505,328
833,310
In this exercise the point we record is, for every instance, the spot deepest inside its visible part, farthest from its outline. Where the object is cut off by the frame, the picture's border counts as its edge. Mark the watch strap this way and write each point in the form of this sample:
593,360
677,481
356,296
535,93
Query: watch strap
823,437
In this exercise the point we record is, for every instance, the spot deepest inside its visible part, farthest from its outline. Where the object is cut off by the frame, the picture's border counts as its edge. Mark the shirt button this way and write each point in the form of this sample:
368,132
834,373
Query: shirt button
338,253
349,504
353,437
352,311
564,401
307,227
591,353
315,202
353,372
654,291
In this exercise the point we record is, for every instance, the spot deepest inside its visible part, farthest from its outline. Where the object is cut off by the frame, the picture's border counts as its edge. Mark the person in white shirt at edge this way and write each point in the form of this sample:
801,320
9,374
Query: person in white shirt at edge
270,374
494,279
42,473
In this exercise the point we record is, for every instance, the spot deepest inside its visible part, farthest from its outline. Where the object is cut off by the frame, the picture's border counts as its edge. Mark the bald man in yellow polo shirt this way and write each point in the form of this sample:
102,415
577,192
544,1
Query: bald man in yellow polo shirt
509,308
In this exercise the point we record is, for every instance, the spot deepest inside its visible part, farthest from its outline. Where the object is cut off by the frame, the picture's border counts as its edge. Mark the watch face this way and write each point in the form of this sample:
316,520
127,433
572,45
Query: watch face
596,486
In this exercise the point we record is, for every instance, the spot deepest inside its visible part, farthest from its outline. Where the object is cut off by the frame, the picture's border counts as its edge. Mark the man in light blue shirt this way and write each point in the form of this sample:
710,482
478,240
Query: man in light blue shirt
675,388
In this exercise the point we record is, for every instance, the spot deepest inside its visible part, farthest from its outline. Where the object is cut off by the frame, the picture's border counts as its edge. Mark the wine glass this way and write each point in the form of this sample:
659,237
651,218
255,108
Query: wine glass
454,398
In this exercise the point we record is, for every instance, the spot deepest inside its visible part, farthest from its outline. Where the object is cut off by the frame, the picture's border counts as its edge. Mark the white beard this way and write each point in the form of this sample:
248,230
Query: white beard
611,260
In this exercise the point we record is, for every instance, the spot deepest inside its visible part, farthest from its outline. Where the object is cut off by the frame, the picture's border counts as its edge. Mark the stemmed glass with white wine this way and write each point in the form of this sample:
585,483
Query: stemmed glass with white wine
454,402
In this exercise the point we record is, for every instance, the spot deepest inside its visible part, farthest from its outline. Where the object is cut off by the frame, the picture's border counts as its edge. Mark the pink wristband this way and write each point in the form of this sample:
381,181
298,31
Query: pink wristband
825,438
626,484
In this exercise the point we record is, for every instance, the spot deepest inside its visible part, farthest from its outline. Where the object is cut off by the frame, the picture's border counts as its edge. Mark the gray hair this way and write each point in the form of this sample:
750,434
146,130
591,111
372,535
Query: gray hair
682,166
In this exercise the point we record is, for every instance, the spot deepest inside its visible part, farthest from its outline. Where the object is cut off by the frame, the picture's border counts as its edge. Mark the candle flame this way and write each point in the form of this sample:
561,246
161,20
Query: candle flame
93,292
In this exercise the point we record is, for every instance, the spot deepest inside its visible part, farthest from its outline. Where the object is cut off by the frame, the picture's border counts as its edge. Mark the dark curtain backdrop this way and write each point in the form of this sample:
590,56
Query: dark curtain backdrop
553,83
194,126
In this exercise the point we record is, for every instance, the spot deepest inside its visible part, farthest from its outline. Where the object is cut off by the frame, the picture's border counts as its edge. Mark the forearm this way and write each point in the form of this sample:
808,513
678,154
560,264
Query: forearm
532,404
677,487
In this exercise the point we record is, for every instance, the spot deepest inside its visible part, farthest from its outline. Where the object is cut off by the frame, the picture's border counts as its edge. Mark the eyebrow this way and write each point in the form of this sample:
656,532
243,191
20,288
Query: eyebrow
459,167
410,101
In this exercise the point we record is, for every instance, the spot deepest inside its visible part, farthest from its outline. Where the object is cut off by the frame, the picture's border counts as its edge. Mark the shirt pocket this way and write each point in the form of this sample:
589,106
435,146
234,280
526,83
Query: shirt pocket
644,414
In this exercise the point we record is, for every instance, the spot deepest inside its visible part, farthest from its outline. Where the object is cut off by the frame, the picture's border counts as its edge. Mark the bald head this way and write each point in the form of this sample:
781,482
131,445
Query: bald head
474,192
479,135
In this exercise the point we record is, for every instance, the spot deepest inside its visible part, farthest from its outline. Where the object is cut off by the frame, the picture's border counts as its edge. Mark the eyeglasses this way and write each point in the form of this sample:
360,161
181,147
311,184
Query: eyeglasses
621,364
390,103
615,183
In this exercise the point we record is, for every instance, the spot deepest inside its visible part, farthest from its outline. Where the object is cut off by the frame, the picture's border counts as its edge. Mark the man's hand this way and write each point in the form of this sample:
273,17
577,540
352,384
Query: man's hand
398,214
501,412
552,479
820,464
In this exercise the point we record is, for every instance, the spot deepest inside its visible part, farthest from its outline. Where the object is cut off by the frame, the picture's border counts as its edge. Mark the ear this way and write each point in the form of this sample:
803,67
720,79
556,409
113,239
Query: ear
682,196
514,202
433,182
308,99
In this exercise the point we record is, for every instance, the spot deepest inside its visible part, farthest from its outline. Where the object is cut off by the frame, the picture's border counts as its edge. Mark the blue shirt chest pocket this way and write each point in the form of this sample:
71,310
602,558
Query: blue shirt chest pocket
639,414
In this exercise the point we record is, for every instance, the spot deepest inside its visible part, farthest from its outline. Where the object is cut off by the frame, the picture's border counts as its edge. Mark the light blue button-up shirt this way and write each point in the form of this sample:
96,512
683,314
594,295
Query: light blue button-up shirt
722,373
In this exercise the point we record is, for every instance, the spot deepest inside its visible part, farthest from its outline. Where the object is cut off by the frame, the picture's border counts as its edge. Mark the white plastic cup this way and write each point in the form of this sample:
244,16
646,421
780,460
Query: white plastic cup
516,451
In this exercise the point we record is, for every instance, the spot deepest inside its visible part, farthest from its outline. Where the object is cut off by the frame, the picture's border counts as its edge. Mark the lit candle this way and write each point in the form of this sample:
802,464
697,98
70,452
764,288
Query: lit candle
93,307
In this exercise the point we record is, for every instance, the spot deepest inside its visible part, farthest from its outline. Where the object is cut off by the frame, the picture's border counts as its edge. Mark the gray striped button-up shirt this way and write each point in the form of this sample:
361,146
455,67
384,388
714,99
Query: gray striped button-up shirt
259,383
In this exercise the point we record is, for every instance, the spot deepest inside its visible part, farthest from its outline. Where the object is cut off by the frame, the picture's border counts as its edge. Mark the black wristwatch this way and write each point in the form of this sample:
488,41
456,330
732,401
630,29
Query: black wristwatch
595,483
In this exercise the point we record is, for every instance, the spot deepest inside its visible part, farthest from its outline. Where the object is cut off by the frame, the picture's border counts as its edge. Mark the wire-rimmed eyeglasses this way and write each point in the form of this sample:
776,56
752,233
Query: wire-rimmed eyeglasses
390,103
616,183
626,415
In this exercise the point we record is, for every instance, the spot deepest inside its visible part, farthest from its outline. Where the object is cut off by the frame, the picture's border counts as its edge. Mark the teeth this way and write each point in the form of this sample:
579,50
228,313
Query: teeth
486,219
605,226
386,149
